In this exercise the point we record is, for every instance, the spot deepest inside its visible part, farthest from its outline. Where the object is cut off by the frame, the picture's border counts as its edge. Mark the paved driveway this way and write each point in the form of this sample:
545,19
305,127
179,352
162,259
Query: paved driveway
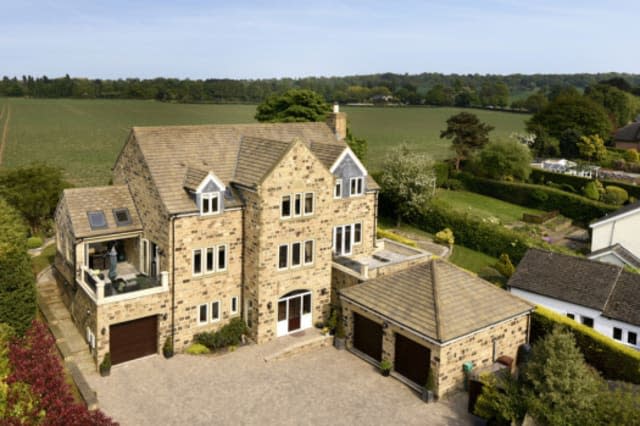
322,386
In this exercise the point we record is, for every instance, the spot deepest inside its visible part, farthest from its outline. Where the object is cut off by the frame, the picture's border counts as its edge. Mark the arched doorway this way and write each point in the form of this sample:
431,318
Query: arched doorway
294,312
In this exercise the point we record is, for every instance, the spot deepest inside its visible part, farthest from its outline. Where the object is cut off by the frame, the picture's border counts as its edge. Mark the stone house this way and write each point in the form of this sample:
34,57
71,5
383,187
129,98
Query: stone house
203,224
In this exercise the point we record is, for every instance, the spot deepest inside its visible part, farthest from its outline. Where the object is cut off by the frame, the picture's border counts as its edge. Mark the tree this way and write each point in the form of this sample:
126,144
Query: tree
34,191
503,160
592,148
504,266
468,134
619,104
295,105
359,146
631,155
407,181
569,116
593,190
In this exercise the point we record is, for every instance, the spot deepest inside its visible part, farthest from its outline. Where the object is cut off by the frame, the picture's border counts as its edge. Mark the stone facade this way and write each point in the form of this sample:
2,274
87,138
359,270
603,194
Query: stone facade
447,359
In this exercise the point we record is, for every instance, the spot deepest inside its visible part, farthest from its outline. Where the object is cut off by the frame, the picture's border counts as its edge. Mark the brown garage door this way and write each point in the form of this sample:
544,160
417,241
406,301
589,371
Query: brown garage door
367,336
412,360
133,339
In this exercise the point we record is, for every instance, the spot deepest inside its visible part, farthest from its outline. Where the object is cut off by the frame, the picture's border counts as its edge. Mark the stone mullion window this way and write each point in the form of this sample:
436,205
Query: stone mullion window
209,260
295,254
297,205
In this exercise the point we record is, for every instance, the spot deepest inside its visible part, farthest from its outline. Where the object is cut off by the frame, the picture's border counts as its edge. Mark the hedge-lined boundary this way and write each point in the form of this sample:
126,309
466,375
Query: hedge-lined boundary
614,360
578,182
384,233
483,236
576,207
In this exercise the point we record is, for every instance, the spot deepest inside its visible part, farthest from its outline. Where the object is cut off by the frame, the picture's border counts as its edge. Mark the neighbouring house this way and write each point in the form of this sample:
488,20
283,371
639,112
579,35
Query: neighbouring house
567,167
599,295
433,316
614,238
628,137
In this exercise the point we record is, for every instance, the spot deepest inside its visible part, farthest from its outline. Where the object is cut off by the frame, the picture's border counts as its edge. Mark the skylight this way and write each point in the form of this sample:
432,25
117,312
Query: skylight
122,216
97,219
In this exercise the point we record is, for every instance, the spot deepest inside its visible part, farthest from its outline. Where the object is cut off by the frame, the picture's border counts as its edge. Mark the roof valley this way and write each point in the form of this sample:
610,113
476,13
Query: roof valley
436,299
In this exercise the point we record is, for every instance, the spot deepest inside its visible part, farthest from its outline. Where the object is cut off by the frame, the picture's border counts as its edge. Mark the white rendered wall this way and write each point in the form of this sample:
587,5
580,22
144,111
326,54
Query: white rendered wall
624,230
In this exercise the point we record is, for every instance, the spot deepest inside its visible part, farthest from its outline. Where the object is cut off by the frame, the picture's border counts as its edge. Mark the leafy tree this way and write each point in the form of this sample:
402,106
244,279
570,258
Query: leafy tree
34,191
359,146
577,114
295,105
504,266
619,104
439,95
468,134
631,155
545,145
535,102
407,181
592,148
503,160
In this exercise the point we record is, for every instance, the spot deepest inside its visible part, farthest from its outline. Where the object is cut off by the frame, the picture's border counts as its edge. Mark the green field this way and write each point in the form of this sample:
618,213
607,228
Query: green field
85,136
483,207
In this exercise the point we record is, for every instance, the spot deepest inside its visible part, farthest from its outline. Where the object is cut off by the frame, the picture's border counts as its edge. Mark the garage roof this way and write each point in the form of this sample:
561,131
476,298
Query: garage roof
438,300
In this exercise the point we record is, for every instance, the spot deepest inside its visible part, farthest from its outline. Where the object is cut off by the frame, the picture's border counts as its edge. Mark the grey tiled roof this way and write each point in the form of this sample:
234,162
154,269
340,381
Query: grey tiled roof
597,285
80,201
229,151
438,300
193,178
630,258
628,133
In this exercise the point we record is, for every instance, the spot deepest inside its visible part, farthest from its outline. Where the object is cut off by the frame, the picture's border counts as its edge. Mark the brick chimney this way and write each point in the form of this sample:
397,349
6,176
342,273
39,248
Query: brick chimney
337,122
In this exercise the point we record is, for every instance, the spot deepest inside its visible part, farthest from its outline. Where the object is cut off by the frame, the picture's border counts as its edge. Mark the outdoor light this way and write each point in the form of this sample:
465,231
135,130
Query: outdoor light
103,331
385,325
269,305
323,292
164,317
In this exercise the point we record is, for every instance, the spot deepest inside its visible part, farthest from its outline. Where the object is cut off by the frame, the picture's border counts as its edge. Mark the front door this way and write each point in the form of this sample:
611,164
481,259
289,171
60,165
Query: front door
294,312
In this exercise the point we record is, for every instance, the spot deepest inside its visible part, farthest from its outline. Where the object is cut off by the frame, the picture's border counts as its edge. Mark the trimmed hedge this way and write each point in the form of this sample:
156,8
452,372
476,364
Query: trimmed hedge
578,182
576,207
489,238
614,360
384,233
230,334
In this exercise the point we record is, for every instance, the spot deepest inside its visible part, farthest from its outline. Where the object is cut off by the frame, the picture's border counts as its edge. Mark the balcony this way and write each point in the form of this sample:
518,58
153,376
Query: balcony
129,283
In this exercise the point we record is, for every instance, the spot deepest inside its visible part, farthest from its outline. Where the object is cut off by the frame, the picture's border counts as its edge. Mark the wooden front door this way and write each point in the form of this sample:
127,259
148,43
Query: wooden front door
367,337
294,313
412,360
133,339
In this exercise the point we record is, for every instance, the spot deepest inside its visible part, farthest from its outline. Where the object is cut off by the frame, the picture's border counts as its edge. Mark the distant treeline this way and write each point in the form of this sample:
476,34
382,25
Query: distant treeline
417,89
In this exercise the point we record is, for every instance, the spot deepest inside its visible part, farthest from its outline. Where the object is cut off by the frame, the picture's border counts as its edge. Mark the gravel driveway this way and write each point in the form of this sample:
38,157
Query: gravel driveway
322,386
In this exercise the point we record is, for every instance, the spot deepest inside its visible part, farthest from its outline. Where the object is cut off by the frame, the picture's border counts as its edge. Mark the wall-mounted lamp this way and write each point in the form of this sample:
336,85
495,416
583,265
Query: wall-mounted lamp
323,292
103,331
269,305
385,325
164,317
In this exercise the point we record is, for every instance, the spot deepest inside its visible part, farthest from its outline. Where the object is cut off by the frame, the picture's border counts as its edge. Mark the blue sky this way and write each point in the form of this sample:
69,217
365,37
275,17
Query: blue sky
261,39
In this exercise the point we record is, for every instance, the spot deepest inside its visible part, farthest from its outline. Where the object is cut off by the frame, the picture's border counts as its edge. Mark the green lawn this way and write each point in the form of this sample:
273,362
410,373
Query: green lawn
471,260
85,136
482,206
44,259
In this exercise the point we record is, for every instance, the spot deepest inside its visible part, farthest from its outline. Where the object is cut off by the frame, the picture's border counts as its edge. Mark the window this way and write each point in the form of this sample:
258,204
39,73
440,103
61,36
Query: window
282,310
210,265
356,186
617,333
297,205
306,304
234,304
587,321
357,233
97,220
283,254
197,262
215,311
285,206
209,203
222,258
632,338
296,259
308,252
571,316
122,216
202,314
337,191
308,203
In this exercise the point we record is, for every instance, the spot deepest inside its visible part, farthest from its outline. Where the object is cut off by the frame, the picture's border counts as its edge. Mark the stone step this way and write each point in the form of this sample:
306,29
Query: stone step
298,348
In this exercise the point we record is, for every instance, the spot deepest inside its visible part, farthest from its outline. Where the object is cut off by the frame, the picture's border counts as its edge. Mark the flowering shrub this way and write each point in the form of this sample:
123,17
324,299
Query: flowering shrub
33,362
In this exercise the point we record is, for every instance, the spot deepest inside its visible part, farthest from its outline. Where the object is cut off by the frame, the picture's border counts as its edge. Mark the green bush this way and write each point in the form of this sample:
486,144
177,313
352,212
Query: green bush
631,155
441,170
615,195
197,349
576,207
504,266
454,185
540,176
229,335
384,233
445,237
614,360
591,190
34,242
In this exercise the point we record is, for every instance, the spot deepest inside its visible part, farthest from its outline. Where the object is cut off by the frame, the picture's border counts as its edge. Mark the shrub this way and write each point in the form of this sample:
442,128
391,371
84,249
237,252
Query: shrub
105,365
614,360
504,266
445,237
631,155
34,242
454,185
197,349
384,233
228,335
441,170
538,175
591,190
615,195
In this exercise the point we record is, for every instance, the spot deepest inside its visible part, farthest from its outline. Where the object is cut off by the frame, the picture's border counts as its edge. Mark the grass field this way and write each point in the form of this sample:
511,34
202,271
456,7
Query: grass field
85,136
483,207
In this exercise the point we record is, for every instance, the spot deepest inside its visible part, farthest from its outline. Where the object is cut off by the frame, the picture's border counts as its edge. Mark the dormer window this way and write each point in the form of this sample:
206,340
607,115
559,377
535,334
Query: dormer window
209,203
356,186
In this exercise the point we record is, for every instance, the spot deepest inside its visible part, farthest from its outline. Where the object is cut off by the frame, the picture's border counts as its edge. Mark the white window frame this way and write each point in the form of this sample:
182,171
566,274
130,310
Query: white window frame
206,307
353,231
337,189
234,300
205,267
226,257
313,203
289,216
298,198
282,268
216,260
219,312
313,254
193,263
351,238
356,193
300,254
209,196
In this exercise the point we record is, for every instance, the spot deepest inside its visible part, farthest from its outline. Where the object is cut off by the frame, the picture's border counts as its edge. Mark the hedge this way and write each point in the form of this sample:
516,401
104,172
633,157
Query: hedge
383,233
540,176
486,237
614,360
576,207
228,335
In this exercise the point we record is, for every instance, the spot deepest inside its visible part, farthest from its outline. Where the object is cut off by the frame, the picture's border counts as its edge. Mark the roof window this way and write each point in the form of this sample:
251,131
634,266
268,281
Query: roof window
122,216
97,219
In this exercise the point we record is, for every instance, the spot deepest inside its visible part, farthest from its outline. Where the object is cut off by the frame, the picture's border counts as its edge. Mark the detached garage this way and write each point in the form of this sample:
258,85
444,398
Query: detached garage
133,339
433,316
